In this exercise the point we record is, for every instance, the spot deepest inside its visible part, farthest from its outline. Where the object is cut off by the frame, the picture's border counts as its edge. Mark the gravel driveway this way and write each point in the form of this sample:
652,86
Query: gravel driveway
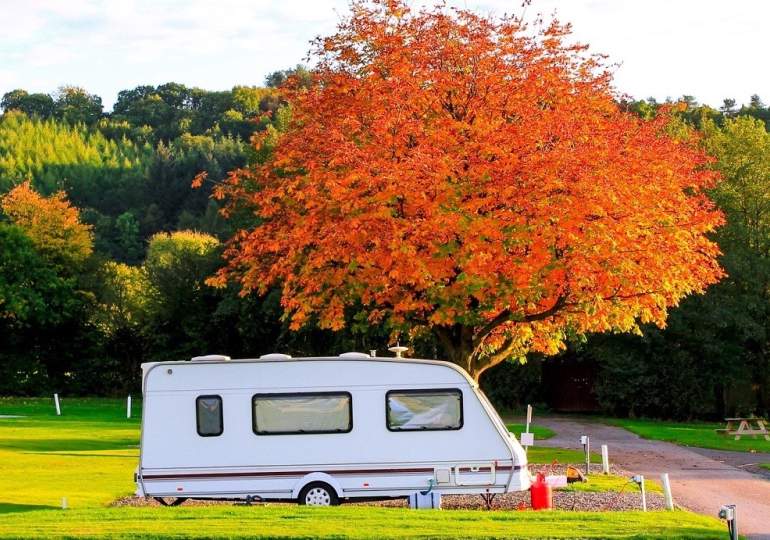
699,482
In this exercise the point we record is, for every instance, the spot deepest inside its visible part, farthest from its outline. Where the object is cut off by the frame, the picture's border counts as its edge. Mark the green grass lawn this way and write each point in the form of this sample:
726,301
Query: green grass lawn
89,454
281,521
765,466
699,434
541,433
546,456
611,482
543,455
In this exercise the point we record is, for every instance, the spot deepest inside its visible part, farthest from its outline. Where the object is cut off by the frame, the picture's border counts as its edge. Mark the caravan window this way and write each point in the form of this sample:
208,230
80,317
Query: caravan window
208,416
424,410
285,414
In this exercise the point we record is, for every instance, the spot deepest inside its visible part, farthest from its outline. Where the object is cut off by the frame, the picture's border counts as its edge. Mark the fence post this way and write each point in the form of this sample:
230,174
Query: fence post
56,404
605,460
667,491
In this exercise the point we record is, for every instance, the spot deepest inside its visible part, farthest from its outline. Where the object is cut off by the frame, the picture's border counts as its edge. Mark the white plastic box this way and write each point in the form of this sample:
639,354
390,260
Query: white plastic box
418,501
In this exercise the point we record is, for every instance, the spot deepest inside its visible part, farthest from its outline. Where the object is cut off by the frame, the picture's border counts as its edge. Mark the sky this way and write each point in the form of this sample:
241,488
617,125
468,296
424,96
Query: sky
666,48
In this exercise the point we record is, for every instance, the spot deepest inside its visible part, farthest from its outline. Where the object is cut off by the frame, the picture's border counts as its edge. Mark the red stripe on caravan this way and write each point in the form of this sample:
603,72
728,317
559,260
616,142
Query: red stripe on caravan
255,474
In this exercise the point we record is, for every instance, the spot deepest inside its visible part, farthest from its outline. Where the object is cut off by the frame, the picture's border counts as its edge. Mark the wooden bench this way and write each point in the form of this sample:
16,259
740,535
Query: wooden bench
745,426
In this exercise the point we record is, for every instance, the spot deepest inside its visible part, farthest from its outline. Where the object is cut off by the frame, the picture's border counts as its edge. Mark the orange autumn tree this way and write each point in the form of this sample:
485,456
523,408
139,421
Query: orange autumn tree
52,223
475,178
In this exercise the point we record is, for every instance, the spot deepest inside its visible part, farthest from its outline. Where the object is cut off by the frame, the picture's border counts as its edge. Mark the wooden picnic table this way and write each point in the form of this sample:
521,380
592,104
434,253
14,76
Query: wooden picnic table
746,426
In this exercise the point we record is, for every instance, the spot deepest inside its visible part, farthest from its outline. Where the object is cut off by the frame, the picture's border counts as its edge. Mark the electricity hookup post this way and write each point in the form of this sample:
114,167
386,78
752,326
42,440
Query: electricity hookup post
639,480
586,442
727,512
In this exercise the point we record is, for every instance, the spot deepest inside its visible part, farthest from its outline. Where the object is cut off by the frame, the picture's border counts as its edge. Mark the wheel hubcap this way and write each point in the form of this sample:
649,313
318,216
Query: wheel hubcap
318,497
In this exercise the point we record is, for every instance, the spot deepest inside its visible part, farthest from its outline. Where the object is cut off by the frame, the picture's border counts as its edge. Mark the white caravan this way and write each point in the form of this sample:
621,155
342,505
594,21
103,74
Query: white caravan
320,430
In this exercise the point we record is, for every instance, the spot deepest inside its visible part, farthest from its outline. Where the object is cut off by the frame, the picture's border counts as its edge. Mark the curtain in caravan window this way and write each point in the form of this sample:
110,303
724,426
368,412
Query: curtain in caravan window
424,410
208,415
302,413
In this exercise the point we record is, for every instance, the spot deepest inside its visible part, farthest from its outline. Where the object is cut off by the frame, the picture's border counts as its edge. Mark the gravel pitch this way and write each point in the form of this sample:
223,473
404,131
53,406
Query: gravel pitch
562,500
628,499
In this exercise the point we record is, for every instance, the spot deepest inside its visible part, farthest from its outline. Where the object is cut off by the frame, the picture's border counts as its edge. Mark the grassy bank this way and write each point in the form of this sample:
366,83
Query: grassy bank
350,522
698,434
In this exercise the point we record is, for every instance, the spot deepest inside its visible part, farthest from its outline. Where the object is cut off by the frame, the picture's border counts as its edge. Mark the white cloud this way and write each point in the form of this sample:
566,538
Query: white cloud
667,47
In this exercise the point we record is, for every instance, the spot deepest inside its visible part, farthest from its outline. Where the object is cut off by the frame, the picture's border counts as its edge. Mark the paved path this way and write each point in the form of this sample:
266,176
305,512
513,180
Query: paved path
698,482
747,461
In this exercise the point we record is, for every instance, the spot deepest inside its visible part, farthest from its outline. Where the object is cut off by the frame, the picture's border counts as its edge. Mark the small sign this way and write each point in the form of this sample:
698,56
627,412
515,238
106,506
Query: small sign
584,440
527,439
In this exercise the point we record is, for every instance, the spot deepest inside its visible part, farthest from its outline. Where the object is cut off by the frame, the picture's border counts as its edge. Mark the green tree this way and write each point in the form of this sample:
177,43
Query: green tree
33,105
96,172
30,288
75,105
300,72
128,239
181,306
713,357
177,164
728,107
44,330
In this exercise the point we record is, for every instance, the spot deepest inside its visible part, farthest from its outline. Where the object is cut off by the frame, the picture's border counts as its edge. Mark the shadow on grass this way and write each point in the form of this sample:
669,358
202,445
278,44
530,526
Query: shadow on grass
89,454
11,508
67,445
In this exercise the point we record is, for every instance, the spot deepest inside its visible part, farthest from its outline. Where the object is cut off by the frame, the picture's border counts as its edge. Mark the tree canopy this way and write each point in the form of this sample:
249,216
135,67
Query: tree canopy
453,173
51,223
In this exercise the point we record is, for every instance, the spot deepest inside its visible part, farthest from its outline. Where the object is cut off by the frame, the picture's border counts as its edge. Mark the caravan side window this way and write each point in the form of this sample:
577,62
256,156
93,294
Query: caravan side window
208,416
287,414
424,410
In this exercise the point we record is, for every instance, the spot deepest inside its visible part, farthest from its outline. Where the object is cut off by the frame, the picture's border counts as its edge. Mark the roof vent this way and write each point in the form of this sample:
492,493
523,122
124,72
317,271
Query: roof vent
398,350
210,358
354,355
275,356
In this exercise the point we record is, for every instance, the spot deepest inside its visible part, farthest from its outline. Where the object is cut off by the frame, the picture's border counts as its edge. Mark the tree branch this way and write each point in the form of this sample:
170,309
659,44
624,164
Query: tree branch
505,316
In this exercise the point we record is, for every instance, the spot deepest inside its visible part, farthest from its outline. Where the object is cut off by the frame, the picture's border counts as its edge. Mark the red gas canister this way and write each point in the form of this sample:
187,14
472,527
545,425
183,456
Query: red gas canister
540,494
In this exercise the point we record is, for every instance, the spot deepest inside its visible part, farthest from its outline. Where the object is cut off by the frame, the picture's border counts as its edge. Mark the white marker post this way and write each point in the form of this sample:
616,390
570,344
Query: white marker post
644,493
667,491
527,439
529,417
605,460
56,404
128,406
64,504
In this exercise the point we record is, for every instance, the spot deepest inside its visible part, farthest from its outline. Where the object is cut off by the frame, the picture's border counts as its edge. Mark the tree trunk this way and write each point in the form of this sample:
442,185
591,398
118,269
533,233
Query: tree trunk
458,346
457,343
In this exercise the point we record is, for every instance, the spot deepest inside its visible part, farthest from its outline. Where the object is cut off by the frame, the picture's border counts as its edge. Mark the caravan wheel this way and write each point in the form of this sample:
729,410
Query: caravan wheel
318,494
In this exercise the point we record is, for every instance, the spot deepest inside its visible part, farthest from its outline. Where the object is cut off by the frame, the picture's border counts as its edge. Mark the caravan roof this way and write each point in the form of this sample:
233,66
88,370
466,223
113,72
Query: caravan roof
380,369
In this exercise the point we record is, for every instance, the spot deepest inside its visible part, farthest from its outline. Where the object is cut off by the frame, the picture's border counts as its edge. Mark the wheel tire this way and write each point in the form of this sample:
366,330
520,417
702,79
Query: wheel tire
318,494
